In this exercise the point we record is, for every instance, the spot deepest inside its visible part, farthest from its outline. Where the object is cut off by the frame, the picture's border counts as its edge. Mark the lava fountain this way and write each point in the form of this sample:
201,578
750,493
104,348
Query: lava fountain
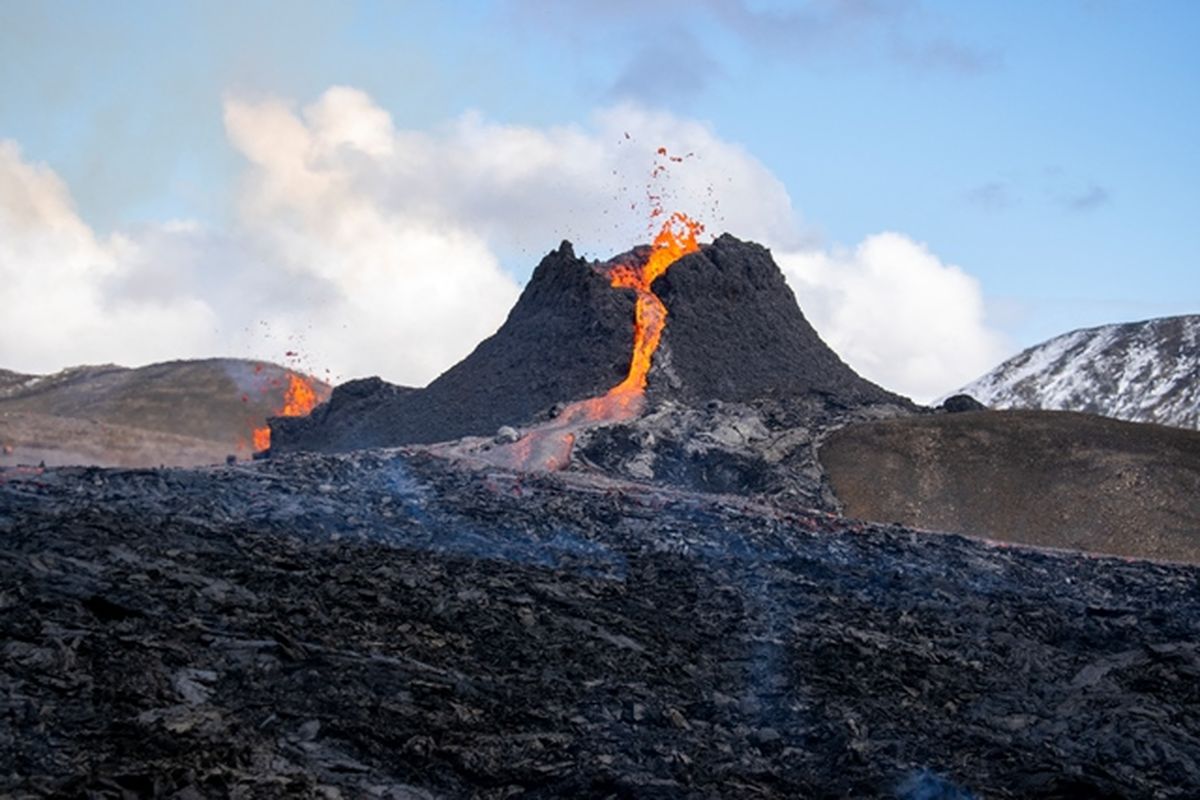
548,446
298,400
676,238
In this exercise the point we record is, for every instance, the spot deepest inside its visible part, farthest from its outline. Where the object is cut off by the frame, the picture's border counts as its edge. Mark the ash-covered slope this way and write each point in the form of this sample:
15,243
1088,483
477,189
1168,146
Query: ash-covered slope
1137,371
734,332
215,399
387,626
1048,478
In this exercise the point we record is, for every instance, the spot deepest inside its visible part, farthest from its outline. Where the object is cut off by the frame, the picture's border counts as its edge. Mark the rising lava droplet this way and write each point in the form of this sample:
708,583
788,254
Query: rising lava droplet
299,399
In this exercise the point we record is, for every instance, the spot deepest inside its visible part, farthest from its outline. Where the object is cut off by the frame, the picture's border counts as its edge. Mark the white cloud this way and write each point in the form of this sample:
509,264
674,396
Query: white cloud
378,250
520,187
55,275
896,313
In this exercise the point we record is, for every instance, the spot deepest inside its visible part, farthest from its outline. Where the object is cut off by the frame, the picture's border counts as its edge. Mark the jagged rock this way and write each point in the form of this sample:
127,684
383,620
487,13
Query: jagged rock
386,624
766,447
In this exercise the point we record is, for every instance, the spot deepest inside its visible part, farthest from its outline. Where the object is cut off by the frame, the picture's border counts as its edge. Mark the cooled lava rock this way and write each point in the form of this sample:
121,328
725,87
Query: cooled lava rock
960,404
734,332
384,625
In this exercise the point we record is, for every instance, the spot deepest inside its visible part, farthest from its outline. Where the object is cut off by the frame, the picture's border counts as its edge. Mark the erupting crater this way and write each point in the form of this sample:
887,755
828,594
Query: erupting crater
299,399
548,446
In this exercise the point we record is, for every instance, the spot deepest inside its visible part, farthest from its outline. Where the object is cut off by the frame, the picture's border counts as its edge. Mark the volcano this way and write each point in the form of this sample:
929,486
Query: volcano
734,333
677,608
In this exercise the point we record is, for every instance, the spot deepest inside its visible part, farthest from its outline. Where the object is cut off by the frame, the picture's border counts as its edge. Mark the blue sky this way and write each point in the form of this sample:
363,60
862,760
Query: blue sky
1048,149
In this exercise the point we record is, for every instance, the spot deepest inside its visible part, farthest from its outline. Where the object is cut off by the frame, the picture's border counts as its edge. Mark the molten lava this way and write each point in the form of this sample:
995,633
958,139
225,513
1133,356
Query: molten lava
299,399
676,239
548,446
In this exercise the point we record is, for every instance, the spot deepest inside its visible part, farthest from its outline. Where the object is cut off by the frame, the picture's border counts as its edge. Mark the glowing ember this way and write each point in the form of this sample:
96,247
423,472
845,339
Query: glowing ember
299,399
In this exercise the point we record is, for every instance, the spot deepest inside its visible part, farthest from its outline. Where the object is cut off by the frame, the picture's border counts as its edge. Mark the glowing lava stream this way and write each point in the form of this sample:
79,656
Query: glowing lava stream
548,447
675,239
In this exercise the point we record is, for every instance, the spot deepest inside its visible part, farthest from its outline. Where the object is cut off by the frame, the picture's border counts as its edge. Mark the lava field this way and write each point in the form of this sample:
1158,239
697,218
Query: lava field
389,624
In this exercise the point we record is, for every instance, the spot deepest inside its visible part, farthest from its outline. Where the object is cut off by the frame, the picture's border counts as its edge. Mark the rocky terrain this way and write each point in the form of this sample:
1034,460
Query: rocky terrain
1053,479
175,413
681,609
1137,371
388,624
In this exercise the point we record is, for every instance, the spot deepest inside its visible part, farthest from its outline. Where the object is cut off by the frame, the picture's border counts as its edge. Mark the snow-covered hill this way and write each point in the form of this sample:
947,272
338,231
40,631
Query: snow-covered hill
1139,371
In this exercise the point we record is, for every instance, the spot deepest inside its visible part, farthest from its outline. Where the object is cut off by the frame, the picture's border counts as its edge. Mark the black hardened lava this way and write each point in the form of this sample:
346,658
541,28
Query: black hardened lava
388,625
735,332
568,336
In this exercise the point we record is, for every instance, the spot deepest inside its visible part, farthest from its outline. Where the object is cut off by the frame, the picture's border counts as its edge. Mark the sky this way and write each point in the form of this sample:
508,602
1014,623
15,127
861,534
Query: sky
370,184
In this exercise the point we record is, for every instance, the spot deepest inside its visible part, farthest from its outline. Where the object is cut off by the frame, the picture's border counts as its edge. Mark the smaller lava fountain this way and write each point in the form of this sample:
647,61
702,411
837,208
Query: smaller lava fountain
299,399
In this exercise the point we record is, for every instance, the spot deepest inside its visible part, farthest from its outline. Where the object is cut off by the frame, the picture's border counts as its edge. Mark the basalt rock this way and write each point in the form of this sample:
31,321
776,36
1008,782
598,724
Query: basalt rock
567,337
734,333
960,404
384,625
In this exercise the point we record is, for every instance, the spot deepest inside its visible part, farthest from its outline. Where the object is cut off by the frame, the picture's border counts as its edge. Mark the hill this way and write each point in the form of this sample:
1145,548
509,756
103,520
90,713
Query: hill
1138,371
177,412
1047,478
734,333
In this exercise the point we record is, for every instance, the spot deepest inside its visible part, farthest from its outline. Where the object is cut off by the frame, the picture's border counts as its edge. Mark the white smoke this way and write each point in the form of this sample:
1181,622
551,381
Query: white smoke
896,313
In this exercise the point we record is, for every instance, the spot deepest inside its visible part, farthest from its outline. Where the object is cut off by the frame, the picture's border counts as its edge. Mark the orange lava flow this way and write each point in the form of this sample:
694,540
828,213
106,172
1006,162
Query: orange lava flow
675,239
299,399
548,446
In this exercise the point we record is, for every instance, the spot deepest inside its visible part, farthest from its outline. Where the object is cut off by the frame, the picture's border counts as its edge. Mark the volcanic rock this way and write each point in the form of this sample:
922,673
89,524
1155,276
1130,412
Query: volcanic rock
764,447
567,337
734,332
959,403
386,625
